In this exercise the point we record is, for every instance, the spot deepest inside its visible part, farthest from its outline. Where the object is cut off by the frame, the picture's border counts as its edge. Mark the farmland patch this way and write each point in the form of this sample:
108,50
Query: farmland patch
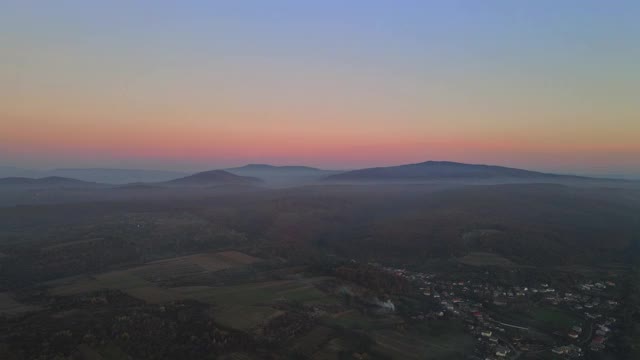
9,306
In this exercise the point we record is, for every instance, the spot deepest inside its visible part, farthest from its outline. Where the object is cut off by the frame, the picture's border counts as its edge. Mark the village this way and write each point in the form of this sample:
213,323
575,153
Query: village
535,319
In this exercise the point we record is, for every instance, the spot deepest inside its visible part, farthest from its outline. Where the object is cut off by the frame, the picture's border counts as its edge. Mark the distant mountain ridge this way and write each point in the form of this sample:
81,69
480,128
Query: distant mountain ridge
100,175
53,181
116,176
283,176
13,171
275,167
434,170
202,179
213,177
286,175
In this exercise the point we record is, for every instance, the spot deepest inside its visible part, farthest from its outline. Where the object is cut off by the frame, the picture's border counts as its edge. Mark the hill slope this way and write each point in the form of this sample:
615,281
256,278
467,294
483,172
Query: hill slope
50,181
267,167
116,176
282,175
434,170
213,177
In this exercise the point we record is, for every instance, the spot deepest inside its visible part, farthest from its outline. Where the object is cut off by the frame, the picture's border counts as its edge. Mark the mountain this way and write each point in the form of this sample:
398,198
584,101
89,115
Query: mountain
101,175
444,170
282,175
267,167
12,171
116,176
45,182
213,177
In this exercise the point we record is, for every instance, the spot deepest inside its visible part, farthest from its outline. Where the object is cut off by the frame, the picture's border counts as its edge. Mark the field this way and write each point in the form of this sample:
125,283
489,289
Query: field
142,282
311,341
555,317
153,294
353,319
151,274
543,317
242,307
101,352
9,306
477,234
433,341
68,244
246,306
635,342
485,259
330,351
193,264
236,356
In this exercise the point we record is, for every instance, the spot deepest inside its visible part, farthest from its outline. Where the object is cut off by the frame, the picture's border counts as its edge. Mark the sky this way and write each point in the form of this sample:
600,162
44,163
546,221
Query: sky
191,85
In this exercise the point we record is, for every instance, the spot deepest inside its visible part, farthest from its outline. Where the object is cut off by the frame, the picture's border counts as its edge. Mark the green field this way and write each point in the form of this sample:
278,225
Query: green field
311,341
542,317
120,280
246,306
257,293
554,317
485,259
355,320
141,281
241,307
635,342
428,341
244,317
351,320
9,306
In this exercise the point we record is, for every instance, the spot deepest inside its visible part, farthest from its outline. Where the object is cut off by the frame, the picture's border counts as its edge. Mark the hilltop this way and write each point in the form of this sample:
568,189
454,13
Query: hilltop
283,175
50,181
213,177
444,170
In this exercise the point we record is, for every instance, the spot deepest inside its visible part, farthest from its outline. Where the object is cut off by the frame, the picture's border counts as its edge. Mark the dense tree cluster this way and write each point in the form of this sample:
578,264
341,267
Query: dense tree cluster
183,330
373,278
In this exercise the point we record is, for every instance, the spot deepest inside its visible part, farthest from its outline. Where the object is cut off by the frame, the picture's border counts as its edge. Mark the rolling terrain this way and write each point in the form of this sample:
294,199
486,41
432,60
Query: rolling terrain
99,175
211,266
46,182
212,178
446,170
283,175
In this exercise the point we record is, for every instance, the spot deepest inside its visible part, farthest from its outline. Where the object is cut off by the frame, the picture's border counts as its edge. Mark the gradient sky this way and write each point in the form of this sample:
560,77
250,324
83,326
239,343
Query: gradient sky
540,84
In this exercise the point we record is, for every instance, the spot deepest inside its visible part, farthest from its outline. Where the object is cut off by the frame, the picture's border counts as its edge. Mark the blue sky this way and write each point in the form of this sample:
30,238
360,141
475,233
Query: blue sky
548,85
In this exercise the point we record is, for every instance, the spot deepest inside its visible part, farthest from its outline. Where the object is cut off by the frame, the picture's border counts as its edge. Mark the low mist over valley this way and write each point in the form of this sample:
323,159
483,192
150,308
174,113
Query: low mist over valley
390,238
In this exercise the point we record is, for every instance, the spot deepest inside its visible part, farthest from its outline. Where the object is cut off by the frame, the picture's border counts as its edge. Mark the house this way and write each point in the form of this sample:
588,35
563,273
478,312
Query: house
499,302
502,352
560,350
572,334
486,333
